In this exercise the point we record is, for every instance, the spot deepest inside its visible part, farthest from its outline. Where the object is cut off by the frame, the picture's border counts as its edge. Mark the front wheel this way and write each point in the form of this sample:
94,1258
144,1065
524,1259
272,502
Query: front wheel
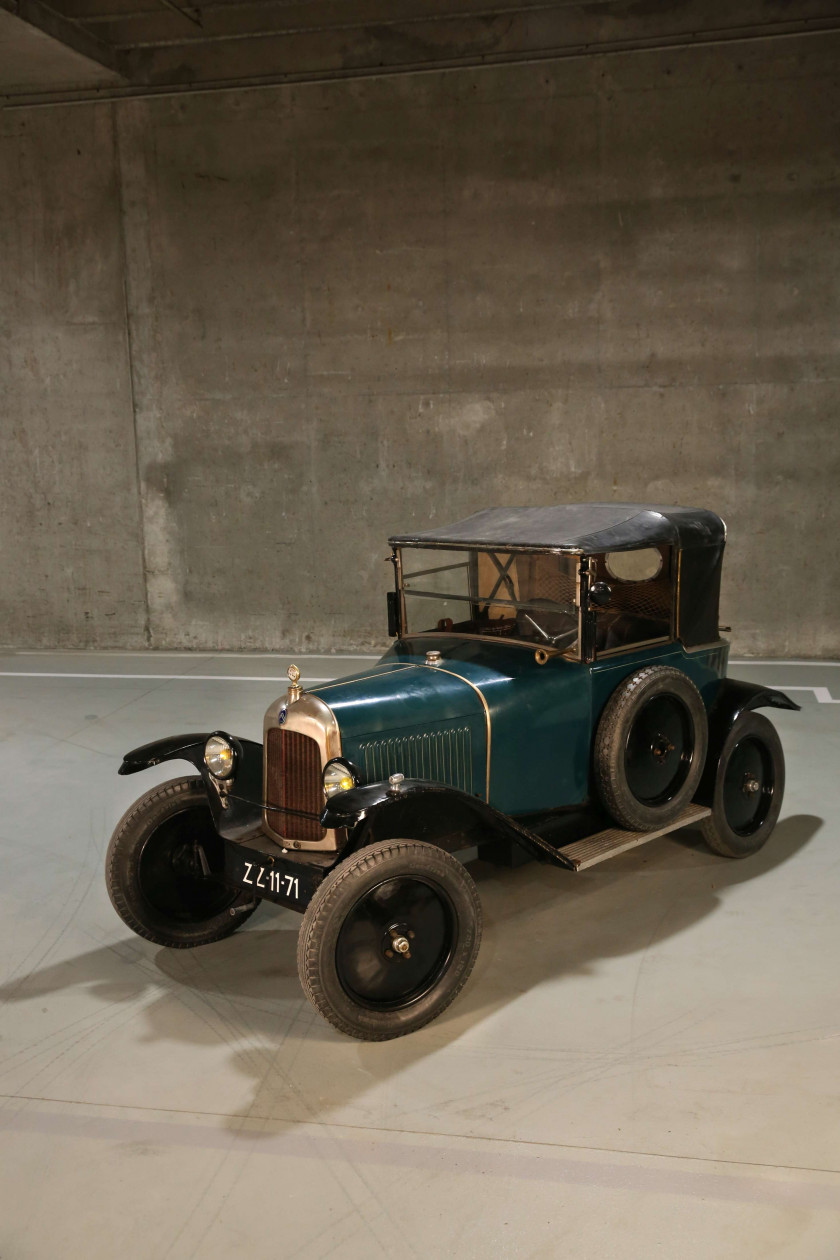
158,870
748,790
389,939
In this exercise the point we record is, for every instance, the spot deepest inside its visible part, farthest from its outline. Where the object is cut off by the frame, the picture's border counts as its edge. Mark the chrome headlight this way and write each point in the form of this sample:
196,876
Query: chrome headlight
339,776
219,757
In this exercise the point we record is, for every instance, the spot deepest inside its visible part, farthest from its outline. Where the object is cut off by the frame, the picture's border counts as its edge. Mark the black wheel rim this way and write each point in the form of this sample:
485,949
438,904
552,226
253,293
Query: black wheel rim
396,943
171,875
659,750
749,782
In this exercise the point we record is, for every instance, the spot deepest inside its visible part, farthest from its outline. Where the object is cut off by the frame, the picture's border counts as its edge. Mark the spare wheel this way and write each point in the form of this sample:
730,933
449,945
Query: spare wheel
650,747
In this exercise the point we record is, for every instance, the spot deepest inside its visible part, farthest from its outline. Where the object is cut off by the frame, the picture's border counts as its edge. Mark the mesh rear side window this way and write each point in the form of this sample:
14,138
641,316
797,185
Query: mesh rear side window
637,611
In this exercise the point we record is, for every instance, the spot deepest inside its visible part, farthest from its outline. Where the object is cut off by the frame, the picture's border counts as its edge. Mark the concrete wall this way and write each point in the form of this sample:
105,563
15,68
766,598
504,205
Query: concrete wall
245,335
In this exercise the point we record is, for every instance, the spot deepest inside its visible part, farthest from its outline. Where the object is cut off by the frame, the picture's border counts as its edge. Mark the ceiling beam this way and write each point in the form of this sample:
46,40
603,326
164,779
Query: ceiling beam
70,34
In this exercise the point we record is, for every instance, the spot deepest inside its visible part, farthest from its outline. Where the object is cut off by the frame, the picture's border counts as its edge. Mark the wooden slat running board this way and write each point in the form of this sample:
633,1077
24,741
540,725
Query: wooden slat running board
615,840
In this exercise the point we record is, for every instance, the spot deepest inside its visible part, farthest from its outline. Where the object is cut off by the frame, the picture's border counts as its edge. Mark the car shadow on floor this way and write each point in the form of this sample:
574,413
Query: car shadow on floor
541,924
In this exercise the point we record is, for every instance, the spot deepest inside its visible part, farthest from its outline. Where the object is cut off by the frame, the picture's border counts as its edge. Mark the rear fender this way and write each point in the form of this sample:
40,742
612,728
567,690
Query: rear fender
424,810
733,699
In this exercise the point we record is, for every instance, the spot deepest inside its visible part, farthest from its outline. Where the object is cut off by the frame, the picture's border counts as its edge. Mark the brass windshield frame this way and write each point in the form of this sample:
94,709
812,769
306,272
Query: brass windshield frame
573,652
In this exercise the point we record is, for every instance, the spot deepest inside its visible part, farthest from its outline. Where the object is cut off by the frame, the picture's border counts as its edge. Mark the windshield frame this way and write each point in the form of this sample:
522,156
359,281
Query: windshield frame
545,650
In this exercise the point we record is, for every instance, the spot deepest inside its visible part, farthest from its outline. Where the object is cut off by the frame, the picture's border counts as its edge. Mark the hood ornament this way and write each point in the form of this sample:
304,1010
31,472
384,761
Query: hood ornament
295,690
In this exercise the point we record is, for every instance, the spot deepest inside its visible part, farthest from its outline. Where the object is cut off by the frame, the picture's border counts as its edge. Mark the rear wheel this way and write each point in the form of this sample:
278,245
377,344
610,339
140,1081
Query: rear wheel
650,747
749,787
157,870
389,939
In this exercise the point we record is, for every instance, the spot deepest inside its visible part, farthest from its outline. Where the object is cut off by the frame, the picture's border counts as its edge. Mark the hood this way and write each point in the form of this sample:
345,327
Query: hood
423,721
489,720
396,696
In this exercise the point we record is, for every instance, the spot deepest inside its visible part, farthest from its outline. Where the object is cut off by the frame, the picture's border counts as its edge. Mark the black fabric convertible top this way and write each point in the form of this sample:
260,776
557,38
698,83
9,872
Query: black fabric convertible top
584,528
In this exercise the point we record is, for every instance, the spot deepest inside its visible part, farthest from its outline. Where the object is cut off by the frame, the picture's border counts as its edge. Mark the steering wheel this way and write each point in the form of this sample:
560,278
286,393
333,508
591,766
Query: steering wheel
565,636
564,639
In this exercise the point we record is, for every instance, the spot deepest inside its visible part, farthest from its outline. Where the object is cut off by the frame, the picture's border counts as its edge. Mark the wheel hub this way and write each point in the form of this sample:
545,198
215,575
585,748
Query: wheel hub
661,748
659,751
748,786
175,875
395,942
183,860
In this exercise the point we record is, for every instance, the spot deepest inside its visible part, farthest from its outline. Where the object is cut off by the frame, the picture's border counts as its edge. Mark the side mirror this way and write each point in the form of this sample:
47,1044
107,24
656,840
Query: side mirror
600,594
394,619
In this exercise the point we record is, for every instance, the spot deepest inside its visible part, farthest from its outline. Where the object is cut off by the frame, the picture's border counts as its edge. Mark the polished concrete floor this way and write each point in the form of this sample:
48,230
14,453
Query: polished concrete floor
645,1063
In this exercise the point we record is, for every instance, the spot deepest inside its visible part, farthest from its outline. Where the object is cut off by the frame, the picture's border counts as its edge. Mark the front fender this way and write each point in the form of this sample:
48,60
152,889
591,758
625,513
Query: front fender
430,811
172,748
237,810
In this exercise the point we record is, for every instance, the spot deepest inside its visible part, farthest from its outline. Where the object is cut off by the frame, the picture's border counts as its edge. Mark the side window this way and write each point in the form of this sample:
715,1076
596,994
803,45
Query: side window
642,597
634,566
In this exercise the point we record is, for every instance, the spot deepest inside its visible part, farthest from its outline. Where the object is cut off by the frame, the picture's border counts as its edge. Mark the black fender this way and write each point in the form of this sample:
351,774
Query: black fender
733,699
238,810
172,748
425,810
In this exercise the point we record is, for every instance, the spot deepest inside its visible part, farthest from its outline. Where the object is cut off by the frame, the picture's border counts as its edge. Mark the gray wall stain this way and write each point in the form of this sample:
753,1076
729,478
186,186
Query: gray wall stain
298,319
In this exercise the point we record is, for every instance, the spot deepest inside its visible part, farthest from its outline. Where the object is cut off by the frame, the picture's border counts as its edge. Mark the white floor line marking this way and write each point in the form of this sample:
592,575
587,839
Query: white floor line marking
19,673
215,656
822,693
756,660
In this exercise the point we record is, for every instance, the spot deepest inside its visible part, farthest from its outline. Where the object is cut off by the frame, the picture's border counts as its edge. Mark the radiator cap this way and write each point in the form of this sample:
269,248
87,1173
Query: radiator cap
294,692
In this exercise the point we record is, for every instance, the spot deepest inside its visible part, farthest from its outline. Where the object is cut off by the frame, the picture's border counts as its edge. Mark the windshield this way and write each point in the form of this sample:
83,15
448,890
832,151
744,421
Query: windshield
526,596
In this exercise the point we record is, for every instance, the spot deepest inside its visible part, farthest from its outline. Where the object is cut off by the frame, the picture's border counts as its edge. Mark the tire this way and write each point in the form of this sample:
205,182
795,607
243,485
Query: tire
650,748
153,870
748,789
394,894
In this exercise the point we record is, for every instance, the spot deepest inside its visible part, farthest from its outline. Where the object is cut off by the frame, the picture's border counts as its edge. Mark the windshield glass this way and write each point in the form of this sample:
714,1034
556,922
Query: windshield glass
530,596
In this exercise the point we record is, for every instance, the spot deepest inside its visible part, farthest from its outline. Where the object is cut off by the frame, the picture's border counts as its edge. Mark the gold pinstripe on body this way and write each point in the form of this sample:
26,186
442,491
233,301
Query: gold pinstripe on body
439,669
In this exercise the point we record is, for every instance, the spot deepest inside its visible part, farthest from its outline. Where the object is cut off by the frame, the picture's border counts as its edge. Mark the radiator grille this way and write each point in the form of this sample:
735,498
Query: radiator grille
444,756
293,782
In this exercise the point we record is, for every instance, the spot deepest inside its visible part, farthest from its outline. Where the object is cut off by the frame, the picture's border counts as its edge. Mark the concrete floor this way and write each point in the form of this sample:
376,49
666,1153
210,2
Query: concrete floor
645,1063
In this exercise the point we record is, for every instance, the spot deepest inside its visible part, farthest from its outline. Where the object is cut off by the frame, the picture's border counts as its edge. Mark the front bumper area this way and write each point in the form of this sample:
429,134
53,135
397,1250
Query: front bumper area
238,809
271,874
253,861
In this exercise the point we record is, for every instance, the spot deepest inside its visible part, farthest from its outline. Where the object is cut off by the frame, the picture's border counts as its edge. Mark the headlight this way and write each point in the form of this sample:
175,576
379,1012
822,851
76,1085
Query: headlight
338,777
219,757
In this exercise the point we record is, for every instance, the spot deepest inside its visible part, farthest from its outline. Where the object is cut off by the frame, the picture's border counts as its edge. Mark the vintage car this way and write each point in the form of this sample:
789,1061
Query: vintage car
556,690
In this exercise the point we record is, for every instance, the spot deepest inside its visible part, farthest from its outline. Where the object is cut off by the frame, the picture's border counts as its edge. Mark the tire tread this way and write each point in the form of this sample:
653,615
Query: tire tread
130,821
318,913
714,827
610,728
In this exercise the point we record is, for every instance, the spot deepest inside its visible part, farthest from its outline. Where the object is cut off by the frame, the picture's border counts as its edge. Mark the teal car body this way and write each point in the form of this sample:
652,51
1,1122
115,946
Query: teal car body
490,720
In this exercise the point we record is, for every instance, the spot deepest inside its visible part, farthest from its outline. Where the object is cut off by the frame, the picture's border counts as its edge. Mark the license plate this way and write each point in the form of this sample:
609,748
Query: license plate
264,875
264,879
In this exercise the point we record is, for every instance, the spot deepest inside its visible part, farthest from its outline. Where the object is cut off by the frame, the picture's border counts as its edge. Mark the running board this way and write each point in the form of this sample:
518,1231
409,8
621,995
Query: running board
615,840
